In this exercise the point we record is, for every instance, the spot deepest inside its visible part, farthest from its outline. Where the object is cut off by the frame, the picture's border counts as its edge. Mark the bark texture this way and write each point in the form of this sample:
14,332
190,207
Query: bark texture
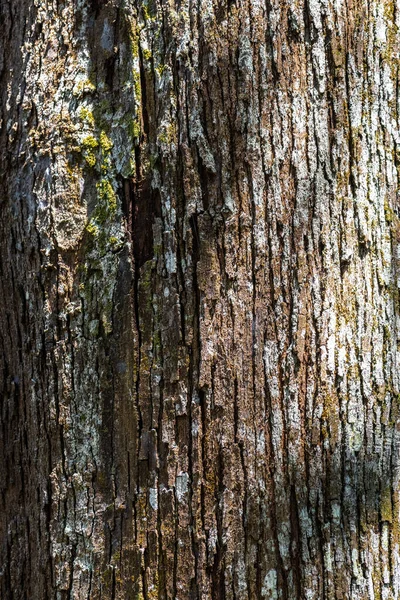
199,326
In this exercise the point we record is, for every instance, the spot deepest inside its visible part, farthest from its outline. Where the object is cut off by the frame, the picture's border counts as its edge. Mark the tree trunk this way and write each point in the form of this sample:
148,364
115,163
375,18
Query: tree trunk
199,320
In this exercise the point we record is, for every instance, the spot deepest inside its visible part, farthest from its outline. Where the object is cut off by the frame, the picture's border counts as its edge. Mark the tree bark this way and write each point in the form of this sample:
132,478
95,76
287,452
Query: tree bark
199,326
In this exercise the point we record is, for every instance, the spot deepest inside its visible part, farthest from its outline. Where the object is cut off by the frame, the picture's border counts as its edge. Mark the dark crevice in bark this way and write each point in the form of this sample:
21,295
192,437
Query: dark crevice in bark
352,153
295,541
194,366
218,567
319,525
71,569
282,582
235,411
141,205
143,93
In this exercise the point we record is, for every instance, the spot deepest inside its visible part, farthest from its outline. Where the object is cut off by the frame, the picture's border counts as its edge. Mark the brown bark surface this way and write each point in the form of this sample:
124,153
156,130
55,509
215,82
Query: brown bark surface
199,324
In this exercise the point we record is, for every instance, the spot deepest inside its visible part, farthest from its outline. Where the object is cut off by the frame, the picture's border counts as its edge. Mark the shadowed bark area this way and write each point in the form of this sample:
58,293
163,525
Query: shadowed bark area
199,325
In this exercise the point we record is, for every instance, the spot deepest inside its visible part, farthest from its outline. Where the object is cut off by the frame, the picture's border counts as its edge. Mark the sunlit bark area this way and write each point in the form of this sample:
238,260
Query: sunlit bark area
199,292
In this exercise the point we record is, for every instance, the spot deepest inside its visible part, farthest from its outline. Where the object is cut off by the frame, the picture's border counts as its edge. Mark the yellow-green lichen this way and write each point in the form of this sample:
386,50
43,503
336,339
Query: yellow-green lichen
146,54
90,142
148,12
132,165
105,142
134,37
108,199
92,228
105,166
135,128
160,69
168,136
86,115
84,86
89,145
386,504
153,592
90,159
389,214
136,83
